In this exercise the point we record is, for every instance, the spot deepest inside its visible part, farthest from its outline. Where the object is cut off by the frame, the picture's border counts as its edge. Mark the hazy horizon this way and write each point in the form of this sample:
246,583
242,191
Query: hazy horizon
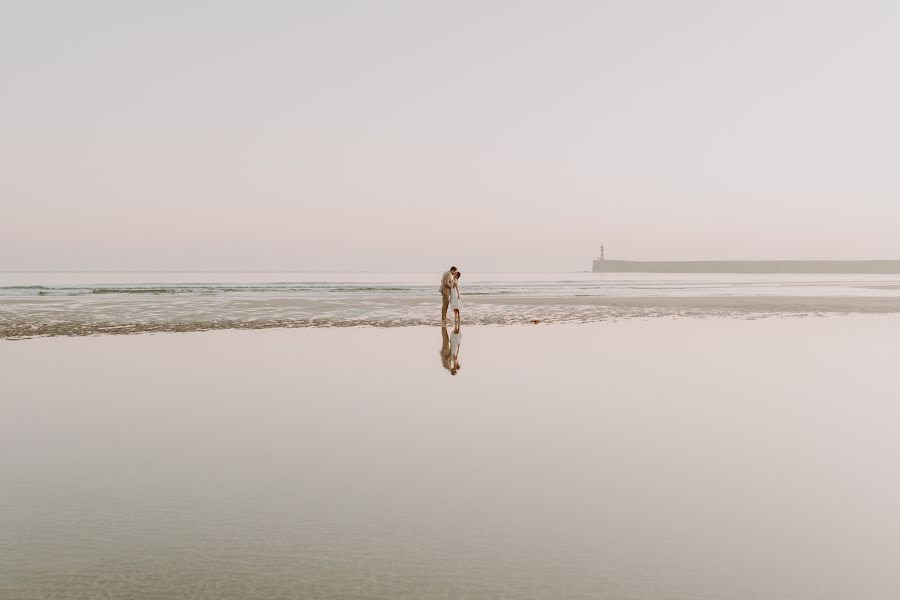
319,136
351,270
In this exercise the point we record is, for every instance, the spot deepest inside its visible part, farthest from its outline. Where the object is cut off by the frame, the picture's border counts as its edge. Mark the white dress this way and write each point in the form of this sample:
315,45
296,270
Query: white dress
455,302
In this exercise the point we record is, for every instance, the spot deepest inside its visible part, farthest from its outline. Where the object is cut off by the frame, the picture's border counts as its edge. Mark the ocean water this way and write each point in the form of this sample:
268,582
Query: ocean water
638,459
43,304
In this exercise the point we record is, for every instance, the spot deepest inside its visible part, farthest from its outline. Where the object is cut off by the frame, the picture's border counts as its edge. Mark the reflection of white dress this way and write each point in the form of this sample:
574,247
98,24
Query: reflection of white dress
455,339
455,302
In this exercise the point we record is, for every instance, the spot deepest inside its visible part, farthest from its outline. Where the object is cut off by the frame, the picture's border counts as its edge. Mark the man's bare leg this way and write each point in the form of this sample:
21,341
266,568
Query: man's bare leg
445,304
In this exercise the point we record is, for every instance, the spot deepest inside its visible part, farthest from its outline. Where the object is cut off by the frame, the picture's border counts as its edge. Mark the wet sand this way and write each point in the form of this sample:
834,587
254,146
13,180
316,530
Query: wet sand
657,458
79,316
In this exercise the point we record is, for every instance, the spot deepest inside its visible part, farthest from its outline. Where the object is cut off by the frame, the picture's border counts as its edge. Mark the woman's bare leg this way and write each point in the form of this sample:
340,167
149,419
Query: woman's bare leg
456,312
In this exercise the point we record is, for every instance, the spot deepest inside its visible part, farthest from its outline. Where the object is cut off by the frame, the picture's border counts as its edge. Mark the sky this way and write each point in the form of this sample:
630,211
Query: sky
405,136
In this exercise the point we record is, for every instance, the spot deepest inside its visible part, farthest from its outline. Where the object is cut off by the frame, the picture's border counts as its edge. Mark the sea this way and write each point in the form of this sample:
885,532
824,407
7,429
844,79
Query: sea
34,304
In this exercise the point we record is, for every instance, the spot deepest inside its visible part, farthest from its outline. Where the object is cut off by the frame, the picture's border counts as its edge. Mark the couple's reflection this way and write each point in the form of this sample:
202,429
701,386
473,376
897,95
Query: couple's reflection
450,341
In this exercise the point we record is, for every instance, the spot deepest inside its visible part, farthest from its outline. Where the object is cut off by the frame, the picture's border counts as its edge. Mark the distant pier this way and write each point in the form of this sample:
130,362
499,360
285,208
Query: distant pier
831,267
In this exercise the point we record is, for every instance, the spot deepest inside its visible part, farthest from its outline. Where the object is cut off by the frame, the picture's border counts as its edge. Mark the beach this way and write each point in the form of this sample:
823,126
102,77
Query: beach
661,457
94,303
449,301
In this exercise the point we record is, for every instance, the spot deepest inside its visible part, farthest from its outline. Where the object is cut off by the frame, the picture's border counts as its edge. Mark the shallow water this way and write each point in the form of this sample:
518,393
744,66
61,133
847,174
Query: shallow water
639,459
328,284
51,304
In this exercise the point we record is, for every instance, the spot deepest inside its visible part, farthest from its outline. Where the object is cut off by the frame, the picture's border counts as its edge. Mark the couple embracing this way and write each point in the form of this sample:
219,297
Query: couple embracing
450,293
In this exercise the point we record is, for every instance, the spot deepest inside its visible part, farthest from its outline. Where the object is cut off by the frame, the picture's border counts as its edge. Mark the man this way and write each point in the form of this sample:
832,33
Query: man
446,279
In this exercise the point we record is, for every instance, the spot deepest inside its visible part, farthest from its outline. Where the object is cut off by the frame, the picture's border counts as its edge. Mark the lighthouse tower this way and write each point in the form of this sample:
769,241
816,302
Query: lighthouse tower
602,252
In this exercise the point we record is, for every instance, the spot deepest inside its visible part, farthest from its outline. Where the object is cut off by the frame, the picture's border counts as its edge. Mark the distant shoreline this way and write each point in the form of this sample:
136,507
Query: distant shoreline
830,267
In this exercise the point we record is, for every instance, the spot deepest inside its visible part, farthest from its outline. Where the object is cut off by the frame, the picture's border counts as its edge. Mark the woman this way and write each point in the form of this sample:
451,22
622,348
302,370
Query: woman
455,302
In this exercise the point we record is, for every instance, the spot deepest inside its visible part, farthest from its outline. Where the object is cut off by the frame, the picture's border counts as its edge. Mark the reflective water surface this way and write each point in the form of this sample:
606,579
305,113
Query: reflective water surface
658,458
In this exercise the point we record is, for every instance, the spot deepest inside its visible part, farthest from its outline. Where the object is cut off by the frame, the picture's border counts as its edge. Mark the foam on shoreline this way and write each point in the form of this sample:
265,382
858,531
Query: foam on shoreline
47,317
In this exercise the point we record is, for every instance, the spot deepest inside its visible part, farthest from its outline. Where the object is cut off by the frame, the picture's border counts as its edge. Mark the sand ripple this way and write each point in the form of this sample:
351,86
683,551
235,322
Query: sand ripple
78,316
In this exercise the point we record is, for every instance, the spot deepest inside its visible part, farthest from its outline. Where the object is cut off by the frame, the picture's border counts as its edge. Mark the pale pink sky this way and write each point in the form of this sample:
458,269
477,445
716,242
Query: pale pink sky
407,135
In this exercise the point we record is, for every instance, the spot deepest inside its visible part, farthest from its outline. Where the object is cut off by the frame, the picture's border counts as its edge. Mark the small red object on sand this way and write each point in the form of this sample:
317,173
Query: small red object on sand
535,321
